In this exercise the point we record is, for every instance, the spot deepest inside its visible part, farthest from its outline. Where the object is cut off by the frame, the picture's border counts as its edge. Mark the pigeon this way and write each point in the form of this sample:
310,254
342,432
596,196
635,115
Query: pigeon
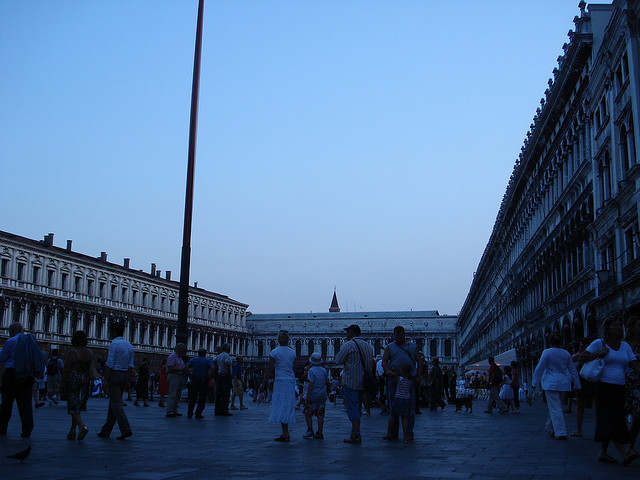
21,455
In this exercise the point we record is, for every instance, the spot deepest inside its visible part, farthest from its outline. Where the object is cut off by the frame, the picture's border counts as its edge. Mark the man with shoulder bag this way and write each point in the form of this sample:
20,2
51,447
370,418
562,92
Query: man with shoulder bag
357,357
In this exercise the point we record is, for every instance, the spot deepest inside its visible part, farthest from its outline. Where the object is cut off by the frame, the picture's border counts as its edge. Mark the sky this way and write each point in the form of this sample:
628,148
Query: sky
358,145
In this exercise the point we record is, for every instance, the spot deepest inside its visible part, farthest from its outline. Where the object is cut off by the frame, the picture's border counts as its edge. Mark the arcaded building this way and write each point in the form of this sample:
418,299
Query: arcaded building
564,250
323,332
55,291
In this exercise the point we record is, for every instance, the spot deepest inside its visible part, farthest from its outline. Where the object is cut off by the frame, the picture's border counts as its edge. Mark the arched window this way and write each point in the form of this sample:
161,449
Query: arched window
324,348
61,316
377,346
420,345
592,324
260,348
310,347
298,348
273,344
433,348
447,348
624,149
336,346
74,322
605,177
32,318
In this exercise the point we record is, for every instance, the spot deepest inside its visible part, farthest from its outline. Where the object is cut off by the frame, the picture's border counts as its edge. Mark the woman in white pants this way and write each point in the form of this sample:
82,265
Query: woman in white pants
555,372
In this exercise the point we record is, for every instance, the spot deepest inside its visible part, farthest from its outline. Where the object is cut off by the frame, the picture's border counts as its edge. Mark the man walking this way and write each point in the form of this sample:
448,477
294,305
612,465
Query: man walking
396,354
495,382
237,389
453,381
223,379
176,376
199,373
54,376
24,361
117,372
357,356
435,387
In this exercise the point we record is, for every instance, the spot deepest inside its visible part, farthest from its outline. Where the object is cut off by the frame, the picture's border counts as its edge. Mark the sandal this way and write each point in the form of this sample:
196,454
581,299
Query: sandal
607,459
83,433
576,434
354,438
631,457
282,438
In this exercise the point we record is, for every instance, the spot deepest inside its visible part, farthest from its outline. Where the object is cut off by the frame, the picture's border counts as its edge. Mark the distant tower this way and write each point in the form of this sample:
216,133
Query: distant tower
334,303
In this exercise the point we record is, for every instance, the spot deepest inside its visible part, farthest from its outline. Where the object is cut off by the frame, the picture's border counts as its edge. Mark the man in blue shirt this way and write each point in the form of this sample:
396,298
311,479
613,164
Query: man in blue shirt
23,359
117,372
199,368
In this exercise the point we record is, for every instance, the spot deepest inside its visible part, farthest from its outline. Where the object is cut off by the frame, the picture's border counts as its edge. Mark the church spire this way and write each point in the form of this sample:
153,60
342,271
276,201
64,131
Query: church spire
334,303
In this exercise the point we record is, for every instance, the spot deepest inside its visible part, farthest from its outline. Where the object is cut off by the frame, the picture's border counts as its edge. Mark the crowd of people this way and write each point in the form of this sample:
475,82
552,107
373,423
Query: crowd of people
616,390
399,383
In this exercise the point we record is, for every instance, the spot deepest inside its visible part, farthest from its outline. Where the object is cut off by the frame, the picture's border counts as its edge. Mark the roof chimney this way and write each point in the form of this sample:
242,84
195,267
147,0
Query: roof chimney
69,242
167,274
48,240
153,269
126,262
158,272
103,256
195,284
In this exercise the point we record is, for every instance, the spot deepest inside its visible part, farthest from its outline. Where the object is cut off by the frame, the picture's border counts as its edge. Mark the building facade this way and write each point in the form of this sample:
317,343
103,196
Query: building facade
55,291
434,334
564,251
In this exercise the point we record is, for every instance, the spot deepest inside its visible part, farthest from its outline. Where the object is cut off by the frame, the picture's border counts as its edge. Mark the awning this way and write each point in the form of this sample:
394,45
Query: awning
503,359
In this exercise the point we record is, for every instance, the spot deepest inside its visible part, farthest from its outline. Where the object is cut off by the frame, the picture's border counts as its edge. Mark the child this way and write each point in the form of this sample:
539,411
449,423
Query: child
401,402
506,392
316,396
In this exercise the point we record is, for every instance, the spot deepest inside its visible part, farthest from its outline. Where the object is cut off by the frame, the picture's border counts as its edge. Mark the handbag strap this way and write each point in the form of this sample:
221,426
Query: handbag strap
360,352
413,361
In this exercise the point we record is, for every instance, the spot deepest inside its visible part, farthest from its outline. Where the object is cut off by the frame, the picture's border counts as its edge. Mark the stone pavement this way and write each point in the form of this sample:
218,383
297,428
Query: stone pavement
448,445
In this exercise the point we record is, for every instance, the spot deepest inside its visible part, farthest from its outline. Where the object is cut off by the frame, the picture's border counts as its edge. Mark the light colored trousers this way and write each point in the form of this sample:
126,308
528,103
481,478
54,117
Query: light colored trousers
176,380
494,396
555,421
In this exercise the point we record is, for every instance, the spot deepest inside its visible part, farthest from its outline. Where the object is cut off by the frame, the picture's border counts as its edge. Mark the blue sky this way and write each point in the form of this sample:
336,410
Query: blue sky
361,144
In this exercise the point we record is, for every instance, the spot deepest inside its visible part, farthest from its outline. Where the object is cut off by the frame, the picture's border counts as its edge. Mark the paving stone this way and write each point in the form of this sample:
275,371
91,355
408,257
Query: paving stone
447,445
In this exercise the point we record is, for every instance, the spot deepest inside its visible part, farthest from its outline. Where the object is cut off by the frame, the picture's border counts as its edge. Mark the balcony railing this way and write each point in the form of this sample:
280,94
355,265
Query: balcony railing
115,304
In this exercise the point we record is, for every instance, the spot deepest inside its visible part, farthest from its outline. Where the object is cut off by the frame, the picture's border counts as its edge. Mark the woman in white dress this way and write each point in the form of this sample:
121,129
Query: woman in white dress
555,372
284,394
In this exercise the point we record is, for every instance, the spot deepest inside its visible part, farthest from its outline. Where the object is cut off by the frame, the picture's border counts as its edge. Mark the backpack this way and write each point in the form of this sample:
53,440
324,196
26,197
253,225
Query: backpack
52,367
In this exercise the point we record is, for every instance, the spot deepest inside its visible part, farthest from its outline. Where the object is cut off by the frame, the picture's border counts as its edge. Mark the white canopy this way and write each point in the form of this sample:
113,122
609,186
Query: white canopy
503,359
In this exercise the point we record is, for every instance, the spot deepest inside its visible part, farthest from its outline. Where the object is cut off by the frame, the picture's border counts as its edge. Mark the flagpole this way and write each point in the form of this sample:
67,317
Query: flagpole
182,332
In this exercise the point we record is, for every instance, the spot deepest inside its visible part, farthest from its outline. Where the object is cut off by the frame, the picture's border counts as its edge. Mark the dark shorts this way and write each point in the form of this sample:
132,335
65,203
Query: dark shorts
314,409
401,406
587,390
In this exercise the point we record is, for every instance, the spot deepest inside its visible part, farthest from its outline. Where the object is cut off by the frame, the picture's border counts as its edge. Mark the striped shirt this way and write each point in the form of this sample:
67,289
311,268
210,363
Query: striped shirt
353,373
402,390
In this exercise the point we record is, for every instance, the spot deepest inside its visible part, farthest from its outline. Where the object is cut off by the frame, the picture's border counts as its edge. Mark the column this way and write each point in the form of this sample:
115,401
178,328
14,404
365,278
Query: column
39,318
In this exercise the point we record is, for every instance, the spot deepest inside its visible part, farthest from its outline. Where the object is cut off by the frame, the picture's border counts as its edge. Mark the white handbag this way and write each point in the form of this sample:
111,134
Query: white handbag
592,371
